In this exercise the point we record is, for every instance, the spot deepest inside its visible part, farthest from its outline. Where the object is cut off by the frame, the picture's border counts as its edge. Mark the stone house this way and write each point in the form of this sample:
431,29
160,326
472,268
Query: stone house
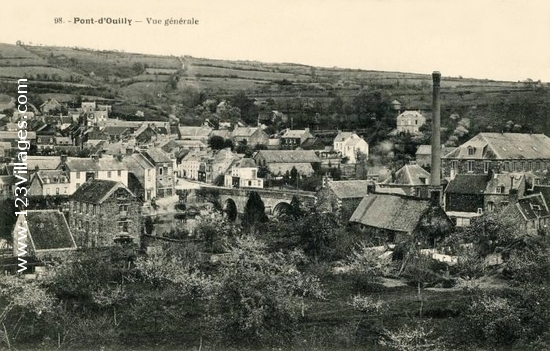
243,174
252,136
293,138
531,213
349,145
192,162
343,196
49,183
103,213
410,178
479,193
142,176
80,170
502,152
51,106
410,122
165,177
393,218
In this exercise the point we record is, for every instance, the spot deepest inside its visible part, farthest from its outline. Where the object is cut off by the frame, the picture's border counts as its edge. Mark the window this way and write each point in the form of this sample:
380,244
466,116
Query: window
160,170
454,164
48,191
500,189
529,166
77,175
123,226
516,166
504,203
57,191
537,165
522,167
506,166
470,166
490,206
471,150
108,174
119,173
123,208
486,166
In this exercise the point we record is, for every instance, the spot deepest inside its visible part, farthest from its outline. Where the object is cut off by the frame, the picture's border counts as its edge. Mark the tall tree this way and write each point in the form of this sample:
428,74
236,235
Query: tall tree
254,211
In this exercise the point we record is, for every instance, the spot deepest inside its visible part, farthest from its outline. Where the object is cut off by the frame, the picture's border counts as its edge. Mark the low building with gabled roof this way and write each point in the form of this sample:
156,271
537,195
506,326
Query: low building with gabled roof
252,136
103,213
394,218
531,212
46,234
49,183
343,196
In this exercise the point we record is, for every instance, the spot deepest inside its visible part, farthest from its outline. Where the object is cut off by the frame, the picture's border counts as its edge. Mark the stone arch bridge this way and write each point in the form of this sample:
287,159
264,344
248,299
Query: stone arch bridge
277,202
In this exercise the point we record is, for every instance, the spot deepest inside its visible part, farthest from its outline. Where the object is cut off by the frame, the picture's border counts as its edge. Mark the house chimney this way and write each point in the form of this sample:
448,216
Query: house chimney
436,132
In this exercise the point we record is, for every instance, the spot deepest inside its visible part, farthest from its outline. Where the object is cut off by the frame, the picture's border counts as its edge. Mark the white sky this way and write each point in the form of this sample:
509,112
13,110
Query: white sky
496,39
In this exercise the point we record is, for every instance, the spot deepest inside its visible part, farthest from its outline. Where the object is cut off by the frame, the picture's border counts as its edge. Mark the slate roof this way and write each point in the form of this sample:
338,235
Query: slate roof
410,114
224,133
51,174
295,133
467,184
245,163
48,230
190,132
96,191
43,162
504,179
244,131
116,130
390,212
427,150
505,146
544,190
280,169
13,135
89,164
533,207
350,189
157,155
289,156
410,175
137,164
342,136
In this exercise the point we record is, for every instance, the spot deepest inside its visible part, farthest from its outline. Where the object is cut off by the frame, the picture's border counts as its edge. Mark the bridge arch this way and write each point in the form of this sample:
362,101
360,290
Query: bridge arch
281,209
230,209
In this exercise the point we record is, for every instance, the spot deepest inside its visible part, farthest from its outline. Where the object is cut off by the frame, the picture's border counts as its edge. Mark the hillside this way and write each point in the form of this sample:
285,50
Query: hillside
160,85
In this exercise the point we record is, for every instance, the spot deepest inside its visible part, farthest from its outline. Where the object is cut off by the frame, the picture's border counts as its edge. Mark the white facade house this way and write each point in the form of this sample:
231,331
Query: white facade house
190,164
349,145
410,122
82,169
243,174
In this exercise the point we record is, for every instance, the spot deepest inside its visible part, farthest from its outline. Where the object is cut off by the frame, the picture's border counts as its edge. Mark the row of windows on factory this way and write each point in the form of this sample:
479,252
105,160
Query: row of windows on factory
507,166
93,209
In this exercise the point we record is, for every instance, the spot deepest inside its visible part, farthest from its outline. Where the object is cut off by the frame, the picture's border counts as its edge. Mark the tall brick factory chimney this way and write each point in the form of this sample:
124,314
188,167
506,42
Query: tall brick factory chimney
435,179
